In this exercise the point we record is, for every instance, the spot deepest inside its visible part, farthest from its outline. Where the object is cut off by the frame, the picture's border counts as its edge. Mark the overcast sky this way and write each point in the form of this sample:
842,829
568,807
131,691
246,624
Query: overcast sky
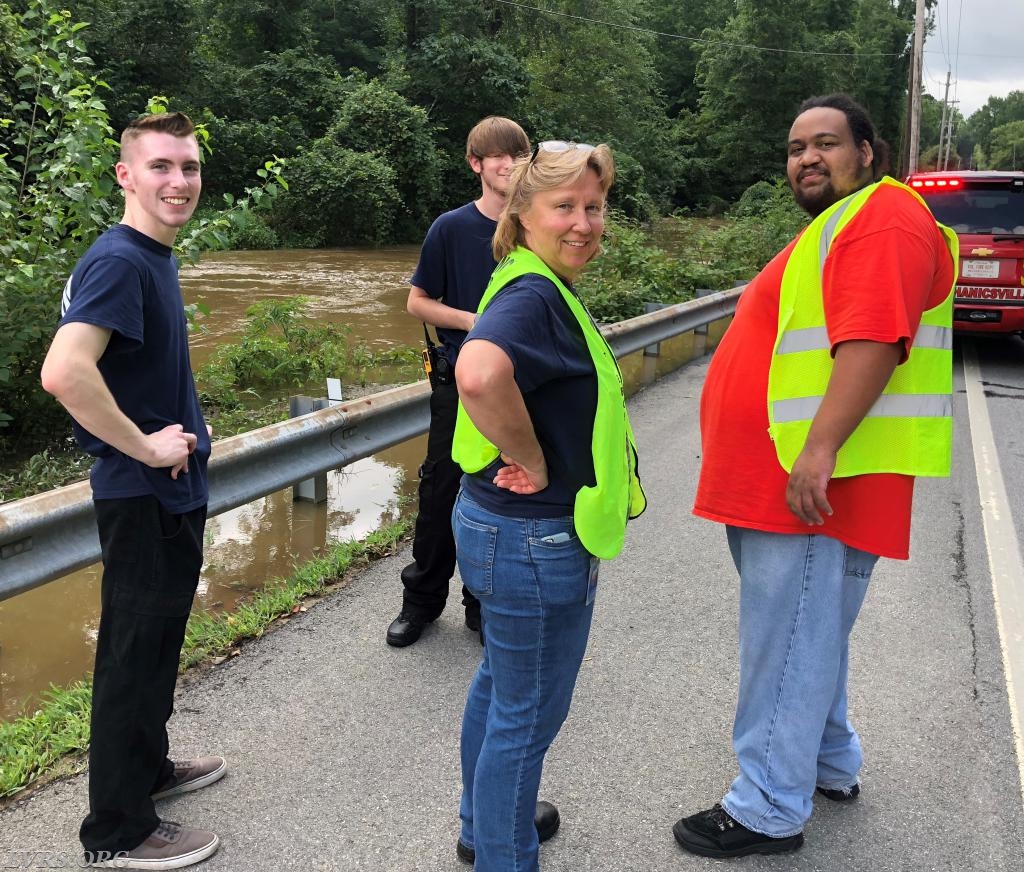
990,61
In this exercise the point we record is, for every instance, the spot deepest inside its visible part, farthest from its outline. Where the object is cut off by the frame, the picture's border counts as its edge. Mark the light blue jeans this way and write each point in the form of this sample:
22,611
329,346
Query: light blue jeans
799,598
536,605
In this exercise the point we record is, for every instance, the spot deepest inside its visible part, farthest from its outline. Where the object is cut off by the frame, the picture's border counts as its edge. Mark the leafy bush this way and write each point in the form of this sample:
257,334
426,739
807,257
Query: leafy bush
51,468
279,348
56,185
337,197
631,271
380,123
253,233
637,265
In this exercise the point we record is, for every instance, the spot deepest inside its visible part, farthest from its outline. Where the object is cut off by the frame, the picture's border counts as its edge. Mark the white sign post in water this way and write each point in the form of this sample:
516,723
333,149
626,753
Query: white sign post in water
314,490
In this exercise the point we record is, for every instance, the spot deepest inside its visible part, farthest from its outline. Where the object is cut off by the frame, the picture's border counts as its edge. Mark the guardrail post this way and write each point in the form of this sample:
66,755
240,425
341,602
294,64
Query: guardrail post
703,329
654,350
312,490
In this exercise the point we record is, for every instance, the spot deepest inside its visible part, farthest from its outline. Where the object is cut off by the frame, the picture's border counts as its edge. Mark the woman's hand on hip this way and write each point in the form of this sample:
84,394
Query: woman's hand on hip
520,479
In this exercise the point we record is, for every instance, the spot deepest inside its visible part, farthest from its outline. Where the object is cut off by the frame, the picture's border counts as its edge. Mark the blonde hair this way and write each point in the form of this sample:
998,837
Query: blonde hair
546,171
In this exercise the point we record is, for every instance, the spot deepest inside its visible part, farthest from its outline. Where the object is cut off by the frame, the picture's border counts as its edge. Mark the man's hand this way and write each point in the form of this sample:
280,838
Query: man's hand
859,375
805,491
171,447
520,480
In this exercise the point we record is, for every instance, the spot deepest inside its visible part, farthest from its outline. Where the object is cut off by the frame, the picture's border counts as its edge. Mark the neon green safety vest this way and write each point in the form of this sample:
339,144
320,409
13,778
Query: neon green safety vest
909,429
600,512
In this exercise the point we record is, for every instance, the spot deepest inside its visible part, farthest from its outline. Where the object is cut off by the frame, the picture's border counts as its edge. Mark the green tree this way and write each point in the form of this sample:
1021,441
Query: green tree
274,107
595,82
997,111
770,56
375,120
1007,148
460,79
242,31
138,49
337,197
675,54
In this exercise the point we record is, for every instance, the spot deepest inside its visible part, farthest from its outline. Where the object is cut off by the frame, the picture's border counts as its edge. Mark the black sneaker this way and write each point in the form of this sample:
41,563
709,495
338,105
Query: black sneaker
841,794
715,833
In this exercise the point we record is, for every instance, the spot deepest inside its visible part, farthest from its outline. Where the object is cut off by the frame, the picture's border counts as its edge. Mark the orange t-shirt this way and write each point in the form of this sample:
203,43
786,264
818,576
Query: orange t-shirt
886,267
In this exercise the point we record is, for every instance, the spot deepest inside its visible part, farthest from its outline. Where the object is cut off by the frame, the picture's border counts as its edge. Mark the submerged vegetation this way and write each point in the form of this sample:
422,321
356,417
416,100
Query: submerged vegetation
280,349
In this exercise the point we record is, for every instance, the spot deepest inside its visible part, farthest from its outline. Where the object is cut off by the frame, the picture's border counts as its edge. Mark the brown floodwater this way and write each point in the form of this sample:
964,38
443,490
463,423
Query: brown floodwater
365,289
48,635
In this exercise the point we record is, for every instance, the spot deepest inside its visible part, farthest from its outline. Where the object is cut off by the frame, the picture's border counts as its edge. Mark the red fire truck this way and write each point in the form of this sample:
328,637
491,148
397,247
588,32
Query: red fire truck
986,210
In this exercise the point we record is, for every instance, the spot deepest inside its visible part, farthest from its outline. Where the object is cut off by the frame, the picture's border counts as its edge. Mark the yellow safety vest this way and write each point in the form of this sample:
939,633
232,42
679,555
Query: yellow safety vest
600,511
909,429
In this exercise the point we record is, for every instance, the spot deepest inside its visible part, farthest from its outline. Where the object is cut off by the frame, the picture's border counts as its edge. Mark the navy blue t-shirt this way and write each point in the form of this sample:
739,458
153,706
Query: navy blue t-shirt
127,283
455,265
532,324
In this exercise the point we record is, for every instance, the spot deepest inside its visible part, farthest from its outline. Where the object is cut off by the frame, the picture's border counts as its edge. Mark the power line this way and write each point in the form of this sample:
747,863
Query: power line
956,57
638,29
699,41
942,31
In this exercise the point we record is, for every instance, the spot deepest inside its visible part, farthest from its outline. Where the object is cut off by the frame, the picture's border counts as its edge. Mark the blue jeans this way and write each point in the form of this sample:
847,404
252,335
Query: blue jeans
536,604
799,598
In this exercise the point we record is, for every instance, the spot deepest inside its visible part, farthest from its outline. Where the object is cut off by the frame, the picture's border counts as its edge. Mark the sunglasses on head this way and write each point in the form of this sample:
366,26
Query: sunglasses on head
558,145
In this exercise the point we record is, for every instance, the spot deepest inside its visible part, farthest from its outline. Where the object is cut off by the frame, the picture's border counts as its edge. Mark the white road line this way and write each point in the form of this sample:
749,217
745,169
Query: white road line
1004,558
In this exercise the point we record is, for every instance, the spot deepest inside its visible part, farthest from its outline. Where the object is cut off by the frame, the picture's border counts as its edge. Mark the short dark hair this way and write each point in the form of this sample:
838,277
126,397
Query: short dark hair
861,126
174,123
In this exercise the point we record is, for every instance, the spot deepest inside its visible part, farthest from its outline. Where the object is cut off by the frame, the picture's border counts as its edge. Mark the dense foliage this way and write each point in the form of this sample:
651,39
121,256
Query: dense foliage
693,254
695,96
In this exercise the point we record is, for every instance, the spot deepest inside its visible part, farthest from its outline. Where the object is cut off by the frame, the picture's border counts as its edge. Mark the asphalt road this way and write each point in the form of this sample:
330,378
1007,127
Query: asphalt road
343,752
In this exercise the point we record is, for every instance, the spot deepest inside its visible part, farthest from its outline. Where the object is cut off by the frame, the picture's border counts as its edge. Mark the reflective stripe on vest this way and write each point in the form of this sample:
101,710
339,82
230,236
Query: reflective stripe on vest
909,428
600,511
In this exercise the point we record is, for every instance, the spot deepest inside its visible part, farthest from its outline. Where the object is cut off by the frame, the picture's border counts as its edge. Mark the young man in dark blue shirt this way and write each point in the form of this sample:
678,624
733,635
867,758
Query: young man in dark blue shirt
119,364
455,265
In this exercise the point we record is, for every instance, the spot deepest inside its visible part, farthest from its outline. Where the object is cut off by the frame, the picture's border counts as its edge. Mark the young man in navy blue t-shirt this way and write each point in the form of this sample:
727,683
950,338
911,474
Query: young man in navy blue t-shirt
119,364
455,265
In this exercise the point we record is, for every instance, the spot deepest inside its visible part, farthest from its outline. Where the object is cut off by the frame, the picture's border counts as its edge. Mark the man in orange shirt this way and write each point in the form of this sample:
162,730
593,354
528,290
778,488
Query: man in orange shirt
801,588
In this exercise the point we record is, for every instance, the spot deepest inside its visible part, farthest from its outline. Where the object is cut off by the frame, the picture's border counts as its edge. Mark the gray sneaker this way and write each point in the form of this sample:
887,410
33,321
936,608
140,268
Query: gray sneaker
190,775
169,846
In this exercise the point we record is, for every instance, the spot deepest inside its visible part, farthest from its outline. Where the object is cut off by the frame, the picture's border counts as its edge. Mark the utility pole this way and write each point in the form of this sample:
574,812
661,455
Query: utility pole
915,93
939,163
949,135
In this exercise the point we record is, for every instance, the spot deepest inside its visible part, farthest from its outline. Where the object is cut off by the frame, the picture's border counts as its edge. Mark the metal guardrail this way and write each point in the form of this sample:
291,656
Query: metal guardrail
46,536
